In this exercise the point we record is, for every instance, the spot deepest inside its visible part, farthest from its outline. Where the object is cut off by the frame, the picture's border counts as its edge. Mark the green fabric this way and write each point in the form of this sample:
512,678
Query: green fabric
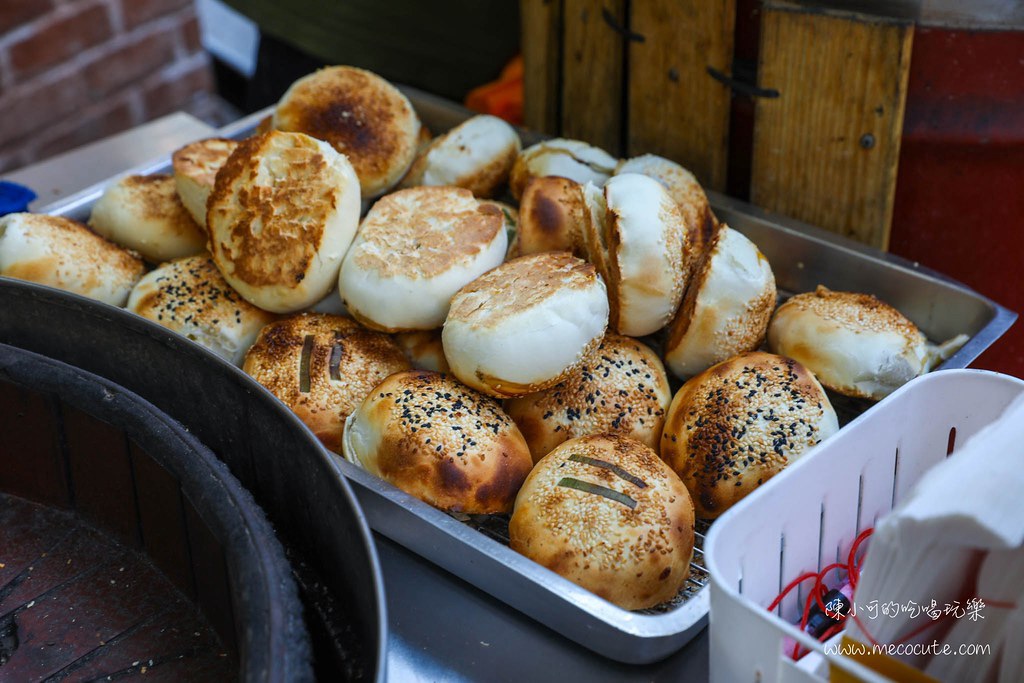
447,47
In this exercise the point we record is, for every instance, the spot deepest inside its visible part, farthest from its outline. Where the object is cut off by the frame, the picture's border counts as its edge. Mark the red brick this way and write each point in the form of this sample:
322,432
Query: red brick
14,13
140,11
94,124
174,92
131,62
60,39
190,34
29,109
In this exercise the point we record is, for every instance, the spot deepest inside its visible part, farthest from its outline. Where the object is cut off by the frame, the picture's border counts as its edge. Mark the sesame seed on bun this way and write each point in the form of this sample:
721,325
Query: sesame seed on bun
739,423
606,513
440,441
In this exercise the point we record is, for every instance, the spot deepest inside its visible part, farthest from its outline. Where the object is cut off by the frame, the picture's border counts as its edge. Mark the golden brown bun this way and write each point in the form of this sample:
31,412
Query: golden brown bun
551,217
855,344
526,324
477,155
736,425
726,308
687,192
633,550
621,389
144,213
361,115
63,253
423,349
195,173
344,360
415,249
572,159
190,296
282,215
440,441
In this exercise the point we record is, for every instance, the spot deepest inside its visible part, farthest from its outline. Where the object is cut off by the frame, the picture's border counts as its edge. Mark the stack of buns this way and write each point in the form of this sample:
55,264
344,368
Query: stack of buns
521,321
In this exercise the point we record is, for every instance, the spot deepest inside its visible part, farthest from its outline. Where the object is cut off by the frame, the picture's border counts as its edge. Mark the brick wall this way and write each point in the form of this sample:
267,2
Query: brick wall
73,71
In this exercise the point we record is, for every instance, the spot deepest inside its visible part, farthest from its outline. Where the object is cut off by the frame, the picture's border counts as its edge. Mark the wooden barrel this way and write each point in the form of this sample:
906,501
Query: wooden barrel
273,455
126,547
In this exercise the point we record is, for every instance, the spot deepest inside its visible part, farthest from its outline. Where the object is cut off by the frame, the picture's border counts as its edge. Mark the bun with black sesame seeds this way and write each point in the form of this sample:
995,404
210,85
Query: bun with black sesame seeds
525,325
726,308
439,441
282,214
856,344
621,389
322,366
606,513
145,213
189,296
739,423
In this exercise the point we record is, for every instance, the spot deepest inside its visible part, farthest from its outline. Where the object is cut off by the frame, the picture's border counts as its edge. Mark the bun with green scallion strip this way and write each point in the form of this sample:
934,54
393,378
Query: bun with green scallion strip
322,366
606,513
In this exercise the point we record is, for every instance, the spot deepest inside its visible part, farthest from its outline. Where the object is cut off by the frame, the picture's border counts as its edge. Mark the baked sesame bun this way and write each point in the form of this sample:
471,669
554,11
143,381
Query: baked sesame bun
726,309
552,214
414,250
195,171
65,254
619,389
477,155
361,115
322,367
282,214
606,513
423,349
144,213
440,441
739,423
571,159
525,325
643,244
854,343
189,296
688,194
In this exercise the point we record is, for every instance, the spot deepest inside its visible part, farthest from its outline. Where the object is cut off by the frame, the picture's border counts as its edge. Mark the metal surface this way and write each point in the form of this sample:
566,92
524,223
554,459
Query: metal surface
802,257
63,175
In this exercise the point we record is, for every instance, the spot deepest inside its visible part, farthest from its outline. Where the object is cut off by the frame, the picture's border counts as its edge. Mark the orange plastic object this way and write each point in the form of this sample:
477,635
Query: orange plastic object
502,97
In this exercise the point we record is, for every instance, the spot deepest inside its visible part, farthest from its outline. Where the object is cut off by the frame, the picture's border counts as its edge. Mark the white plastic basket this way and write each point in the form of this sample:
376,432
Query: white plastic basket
808,516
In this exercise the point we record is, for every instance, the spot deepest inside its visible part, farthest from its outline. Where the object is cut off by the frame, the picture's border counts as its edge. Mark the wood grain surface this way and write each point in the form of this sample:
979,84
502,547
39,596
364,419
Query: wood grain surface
826,150
541,31
676,109
592,73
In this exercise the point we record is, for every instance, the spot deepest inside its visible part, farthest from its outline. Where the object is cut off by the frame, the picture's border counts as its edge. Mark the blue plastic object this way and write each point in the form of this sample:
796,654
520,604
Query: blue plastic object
14,197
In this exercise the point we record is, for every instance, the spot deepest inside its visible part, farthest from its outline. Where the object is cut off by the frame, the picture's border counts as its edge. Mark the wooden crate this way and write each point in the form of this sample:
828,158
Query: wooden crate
636,76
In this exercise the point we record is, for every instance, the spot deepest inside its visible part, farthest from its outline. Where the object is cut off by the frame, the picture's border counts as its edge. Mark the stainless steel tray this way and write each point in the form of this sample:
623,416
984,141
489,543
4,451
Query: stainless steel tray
802,257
